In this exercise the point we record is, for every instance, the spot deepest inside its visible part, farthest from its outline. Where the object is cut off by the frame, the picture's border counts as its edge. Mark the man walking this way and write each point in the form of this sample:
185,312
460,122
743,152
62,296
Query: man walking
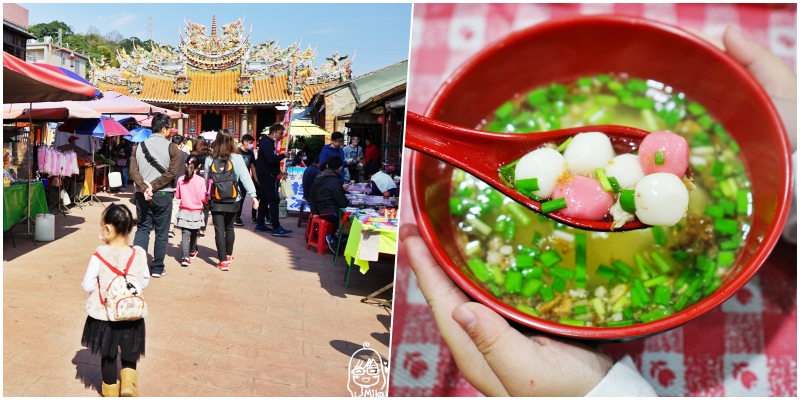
154,165
246,151
268,169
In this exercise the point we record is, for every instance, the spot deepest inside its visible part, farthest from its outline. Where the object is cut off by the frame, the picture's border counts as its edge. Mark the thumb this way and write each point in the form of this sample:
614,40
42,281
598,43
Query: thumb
767,68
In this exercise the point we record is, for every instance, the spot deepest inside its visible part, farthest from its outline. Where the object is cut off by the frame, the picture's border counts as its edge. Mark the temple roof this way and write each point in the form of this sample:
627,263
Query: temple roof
214,88
220,68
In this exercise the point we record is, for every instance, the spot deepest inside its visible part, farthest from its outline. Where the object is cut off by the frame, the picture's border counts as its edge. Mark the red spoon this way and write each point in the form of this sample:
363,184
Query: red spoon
481,154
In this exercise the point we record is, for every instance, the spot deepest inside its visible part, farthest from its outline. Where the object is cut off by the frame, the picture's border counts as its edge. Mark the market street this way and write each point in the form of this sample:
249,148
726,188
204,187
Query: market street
279,323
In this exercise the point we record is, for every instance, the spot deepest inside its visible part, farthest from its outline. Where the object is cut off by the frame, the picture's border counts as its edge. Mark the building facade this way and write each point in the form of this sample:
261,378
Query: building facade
220,80
46,52
15,30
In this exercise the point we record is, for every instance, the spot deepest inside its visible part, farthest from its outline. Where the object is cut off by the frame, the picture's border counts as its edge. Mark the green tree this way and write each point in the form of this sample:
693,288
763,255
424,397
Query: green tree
51,29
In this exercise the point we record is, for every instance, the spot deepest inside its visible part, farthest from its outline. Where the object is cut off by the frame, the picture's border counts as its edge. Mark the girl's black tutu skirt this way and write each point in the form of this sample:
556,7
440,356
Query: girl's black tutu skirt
111,338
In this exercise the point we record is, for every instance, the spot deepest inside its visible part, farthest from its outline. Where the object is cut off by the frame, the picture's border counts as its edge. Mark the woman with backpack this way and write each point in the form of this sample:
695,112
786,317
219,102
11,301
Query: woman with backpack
201,150
116,275
225,169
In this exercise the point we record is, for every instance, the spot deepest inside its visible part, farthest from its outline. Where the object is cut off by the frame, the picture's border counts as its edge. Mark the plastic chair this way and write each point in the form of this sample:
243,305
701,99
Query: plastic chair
322,228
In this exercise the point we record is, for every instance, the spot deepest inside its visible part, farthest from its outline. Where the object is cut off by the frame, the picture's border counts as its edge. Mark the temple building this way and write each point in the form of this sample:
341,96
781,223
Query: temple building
220,80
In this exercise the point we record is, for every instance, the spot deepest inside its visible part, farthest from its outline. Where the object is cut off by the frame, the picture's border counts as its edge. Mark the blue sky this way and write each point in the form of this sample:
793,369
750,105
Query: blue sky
378,32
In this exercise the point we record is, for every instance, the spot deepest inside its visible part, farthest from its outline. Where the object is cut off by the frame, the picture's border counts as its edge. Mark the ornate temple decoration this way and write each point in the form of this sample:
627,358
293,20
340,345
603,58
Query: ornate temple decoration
223,51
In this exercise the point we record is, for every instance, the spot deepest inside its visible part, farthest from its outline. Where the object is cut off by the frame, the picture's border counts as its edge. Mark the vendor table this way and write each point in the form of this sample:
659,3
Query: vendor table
745,347
15,199
358,188
370,200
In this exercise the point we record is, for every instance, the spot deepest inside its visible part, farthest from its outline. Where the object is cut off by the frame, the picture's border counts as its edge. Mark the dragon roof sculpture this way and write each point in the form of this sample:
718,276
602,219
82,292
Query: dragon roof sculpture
225,50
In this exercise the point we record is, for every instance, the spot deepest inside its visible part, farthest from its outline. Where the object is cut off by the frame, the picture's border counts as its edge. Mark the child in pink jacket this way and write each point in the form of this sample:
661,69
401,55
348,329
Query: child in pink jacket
191,191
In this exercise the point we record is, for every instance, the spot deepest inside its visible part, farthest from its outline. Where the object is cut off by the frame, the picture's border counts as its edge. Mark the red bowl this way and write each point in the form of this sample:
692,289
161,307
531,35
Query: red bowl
563,50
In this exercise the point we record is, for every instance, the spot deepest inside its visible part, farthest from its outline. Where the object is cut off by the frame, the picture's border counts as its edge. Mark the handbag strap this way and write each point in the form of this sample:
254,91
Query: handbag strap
151,160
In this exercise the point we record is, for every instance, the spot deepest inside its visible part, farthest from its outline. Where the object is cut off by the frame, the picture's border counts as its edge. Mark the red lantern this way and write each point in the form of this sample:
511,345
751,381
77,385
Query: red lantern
380,119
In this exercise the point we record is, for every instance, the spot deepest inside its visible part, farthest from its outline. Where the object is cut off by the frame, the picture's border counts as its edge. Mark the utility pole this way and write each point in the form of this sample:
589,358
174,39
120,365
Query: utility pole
150,28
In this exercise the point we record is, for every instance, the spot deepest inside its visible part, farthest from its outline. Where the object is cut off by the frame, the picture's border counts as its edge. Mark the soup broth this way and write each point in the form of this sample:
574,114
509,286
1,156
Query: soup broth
600,279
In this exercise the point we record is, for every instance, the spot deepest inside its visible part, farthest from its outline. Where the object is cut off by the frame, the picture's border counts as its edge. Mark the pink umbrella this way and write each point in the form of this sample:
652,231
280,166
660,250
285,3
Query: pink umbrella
115,103
100,127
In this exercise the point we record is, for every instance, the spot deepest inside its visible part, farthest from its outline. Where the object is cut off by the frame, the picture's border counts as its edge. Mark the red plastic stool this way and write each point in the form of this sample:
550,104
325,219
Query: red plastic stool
308,227
322,228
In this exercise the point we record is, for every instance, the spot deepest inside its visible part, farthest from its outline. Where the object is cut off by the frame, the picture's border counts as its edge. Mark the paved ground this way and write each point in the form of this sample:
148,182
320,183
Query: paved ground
280,323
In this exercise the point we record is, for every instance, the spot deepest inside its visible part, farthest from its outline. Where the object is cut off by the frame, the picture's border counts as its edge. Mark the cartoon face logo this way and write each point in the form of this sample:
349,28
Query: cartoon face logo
368,374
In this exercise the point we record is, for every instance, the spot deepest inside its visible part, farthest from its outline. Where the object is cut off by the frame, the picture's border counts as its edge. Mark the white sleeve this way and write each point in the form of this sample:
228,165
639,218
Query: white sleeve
92,273
790,229
623,380
145,277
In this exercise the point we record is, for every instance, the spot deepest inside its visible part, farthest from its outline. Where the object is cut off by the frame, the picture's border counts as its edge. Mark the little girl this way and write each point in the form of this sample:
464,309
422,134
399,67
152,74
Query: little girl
109,338
192,194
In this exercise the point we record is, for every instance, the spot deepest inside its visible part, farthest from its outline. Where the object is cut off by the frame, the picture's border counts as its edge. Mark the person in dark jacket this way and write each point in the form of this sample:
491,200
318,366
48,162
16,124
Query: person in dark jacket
327,196
308,178
268,170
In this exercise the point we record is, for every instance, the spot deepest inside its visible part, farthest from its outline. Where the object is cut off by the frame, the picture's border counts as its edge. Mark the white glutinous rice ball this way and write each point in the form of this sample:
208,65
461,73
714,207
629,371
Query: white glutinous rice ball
661,199
587,152
626,168
544,164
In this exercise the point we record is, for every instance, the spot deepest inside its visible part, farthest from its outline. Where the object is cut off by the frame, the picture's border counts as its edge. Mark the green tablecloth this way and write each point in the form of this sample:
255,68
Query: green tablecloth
15,198
387,244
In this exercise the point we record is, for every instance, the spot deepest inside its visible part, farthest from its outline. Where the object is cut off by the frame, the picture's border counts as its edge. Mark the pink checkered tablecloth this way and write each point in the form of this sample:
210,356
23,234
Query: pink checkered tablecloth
745,347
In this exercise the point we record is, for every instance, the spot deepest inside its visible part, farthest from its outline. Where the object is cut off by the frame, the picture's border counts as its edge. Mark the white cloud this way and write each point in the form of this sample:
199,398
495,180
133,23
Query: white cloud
122,20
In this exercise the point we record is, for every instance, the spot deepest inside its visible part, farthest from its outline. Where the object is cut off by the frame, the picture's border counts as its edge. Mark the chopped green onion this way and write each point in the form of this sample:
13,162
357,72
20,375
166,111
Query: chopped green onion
479,225
531,287
682,300
623,268
495,290
696,109
636,300
643,103
659,157
527,310
606,272
472,247
683,277
559,285
457,206
659,235
660,262
523,261
614,85
511,230
658,313
729,245
621,303
726,226
504,112
479,268
717,168
497,274
627,313
518,212
527,185
636,85
742,202
585,82
563,146
605,78
580,310
550,258
655,281
712,287
627,201
536,272
513,282
547,293
554,205
725,258
714,211
577,99
599,308
644,267
573,322
704,263
662,295
580,249
614,184
680,256
728,206
500,224
537,97
607,100
558,91
639,287
601,176
705,121
615,324
561,272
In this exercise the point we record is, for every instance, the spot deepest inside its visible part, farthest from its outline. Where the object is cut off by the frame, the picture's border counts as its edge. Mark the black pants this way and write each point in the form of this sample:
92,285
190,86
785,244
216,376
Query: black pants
223,232
154,214
352,169
108,368
269,200
254,210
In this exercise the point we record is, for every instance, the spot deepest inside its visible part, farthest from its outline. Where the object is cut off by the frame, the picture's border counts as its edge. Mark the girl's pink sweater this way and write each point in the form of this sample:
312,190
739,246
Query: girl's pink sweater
192,193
